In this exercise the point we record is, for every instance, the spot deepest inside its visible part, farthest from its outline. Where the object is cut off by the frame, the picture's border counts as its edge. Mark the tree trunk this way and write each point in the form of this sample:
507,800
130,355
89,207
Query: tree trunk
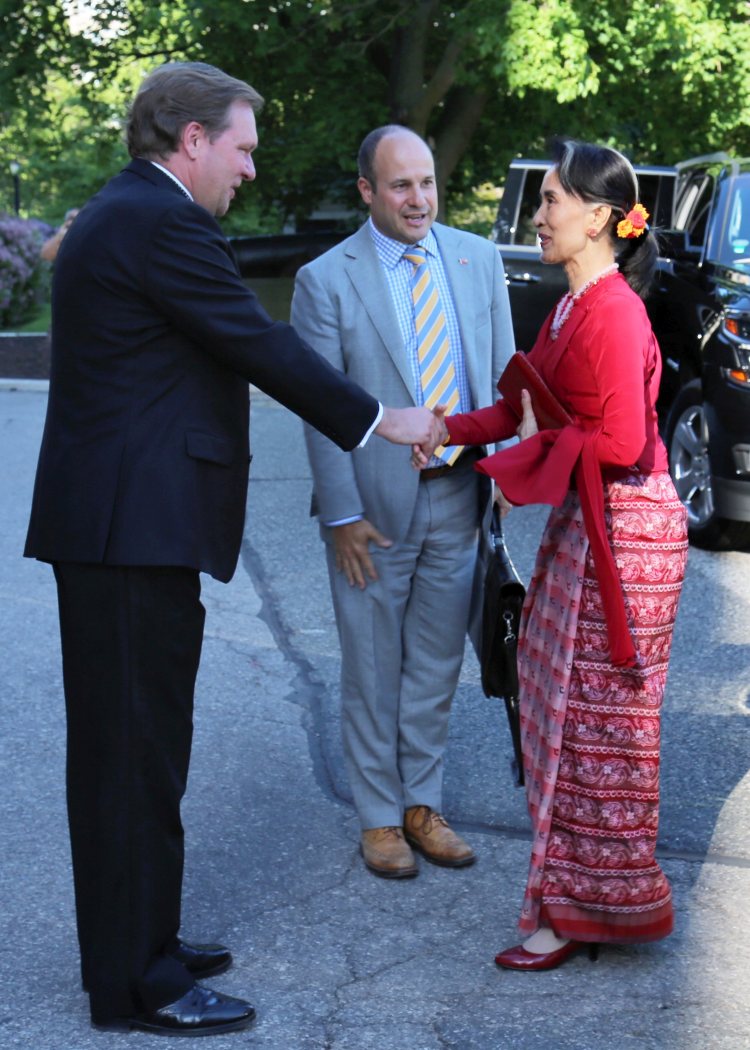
413,98
406,81
463,111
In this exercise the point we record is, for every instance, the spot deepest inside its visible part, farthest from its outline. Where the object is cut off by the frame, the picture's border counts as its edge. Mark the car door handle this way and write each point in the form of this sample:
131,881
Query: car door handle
523,278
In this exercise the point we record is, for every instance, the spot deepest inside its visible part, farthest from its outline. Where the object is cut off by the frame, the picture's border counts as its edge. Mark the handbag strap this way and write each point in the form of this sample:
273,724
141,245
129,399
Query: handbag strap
497,542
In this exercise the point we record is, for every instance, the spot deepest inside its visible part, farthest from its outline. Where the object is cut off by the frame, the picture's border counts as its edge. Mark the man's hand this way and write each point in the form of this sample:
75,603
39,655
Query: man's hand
409,426
352,545
421,454
528,425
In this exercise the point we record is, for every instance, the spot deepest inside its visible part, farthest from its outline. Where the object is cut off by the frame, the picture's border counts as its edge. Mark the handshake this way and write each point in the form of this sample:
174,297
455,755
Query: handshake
422,428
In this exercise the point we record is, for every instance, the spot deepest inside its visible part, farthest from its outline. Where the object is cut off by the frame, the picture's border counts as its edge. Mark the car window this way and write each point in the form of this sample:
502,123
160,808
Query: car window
654,192
524,185
525,229
694,206
652,186
734,246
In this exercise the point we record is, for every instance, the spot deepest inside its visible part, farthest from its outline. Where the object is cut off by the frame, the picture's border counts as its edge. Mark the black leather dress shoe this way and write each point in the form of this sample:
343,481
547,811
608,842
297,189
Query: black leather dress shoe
200,1011
203,960
200,960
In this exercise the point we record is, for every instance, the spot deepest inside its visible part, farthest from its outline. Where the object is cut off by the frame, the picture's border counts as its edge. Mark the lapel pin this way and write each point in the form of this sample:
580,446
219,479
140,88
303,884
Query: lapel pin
463,262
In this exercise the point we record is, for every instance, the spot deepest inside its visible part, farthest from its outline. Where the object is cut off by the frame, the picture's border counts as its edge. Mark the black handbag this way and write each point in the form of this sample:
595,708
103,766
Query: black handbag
501,615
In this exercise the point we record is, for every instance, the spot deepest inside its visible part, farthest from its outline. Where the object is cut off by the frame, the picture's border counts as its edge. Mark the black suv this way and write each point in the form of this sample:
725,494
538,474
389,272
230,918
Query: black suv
700,310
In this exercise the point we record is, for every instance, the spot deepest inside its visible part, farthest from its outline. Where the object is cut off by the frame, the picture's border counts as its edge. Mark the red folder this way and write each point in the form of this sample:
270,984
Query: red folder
520,375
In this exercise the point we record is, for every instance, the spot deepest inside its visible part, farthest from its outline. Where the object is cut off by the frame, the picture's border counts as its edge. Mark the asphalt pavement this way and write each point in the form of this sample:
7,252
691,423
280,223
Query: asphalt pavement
332,957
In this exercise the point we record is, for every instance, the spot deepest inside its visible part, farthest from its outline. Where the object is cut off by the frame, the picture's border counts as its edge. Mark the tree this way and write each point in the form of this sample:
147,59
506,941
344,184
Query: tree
483,80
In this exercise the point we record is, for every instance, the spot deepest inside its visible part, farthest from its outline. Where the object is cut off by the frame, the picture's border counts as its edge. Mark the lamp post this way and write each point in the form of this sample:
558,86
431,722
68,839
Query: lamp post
15,170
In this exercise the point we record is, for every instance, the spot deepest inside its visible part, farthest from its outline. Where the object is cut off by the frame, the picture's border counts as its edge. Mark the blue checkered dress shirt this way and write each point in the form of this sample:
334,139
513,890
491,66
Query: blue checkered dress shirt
398,273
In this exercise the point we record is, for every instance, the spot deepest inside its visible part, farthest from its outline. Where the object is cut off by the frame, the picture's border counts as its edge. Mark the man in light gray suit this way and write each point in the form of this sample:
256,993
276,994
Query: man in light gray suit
402,544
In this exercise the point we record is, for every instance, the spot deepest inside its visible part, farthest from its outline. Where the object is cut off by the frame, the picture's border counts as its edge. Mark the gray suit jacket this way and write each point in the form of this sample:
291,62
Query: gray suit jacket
342,306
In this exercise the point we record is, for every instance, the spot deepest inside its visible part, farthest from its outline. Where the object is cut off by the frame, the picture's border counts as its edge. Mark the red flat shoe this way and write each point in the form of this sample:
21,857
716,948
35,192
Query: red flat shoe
519,959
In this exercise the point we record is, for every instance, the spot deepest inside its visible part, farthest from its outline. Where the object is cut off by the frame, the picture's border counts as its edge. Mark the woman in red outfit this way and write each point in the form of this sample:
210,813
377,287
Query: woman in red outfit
598,618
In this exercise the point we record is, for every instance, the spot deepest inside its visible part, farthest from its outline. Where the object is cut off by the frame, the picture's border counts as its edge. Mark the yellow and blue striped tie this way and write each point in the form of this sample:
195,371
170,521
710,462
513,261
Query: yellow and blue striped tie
437,375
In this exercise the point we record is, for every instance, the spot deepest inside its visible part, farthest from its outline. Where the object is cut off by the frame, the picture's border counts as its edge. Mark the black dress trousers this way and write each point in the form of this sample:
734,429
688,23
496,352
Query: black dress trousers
131,642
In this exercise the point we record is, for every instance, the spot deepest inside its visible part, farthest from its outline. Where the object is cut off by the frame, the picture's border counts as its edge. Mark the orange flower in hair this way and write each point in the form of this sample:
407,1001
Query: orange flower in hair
634,223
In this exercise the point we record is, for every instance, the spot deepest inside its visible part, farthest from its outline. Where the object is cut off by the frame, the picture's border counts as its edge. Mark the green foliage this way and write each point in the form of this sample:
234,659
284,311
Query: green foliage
483,79
475,210
544,48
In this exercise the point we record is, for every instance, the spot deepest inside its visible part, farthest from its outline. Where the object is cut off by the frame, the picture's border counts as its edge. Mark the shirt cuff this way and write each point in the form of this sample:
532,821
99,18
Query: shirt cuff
343,521
366,438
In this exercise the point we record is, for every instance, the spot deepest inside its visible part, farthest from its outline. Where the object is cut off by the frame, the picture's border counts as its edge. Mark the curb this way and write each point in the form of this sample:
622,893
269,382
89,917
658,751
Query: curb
42,385
28,385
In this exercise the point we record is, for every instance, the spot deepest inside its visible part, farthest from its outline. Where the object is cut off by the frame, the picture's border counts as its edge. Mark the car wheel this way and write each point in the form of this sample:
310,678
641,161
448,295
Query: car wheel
690,467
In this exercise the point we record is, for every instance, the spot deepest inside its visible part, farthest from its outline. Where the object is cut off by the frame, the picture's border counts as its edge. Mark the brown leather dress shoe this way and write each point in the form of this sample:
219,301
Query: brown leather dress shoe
430,833
387,854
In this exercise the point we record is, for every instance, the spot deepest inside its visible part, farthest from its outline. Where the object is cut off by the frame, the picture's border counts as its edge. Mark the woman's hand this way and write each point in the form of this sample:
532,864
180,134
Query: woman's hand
528,425
421,454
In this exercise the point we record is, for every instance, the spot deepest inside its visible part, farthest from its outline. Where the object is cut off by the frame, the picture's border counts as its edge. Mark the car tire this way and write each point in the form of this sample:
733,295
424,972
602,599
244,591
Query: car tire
690,467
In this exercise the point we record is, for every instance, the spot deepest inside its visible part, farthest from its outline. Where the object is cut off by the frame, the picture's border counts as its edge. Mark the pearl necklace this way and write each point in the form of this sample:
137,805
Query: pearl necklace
568,301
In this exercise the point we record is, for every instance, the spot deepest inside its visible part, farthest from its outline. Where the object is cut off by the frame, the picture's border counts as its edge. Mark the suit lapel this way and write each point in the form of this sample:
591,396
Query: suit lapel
146,170
368,280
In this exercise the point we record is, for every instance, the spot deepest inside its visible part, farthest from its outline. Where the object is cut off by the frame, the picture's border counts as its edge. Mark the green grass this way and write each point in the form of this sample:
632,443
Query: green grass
39,323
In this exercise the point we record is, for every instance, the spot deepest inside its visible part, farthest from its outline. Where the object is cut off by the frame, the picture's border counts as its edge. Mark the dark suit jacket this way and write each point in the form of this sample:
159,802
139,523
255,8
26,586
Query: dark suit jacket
144,459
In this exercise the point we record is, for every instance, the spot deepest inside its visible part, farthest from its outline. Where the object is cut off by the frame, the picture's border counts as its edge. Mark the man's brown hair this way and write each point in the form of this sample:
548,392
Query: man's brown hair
175,94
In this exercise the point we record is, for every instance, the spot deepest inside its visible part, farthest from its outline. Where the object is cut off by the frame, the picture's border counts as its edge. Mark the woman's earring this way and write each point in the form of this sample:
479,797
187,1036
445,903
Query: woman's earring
591,233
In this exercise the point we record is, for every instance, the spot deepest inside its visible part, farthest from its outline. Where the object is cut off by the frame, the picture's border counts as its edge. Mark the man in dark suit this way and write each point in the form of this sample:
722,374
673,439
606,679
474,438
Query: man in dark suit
141,486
